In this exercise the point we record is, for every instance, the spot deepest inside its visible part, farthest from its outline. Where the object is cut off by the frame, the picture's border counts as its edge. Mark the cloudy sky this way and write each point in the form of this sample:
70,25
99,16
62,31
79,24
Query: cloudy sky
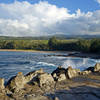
49,17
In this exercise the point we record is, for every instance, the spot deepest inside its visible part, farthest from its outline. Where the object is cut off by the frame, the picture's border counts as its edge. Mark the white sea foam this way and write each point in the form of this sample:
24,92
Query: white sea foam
81,63
45,64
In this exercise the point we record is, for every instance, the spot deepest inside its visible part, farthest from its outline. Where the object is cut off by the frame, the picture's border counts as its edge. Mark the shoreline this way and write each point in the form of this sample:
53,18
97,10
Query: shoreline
70,53
61,84
20,50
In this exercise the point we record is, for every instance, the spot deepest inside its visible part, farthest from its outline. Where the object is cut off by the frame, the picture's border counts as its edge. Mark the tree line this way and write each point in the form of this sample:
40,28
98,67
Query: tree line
82,45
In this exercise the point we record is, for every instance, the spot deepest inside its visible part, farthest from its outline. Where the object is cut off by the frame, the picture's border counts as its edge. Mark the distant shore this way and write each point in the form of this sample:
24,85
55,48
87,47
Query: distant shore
20,50
70,53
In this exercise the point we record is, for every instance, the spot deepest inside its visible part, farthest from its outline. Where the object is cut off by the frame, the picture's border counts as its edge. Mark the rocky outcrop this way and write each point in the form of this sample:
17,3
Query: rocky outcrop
85,72
71,73
46,81
37,84
59,74
97,67
89,69
32,75
61,77
16,83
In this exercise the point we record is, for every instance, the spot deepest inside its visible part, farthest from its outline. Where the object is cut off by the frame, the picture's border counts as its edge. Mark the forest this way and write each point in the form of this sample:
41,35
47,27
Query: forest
53,44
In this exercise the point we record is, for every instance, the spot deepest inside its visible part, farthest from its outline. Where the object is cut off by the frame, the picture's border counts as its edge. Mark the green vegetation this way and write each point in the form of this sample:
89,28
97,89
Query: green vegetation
83,45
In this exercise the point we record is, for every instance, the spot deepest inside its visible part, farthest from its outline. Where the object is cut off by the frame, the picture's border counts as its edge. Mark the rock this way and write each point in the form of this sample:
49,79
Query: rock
46,80
32,75
16,83
97,67
2,84
61,77
85,72
70,73
56,98
90,69
5,97
37,98
58,73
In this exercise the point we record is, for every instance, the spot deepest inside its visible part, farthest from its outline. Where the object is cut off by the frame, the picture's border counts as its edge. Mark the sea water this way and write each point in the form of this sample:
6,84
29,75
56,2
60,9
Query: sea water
13,62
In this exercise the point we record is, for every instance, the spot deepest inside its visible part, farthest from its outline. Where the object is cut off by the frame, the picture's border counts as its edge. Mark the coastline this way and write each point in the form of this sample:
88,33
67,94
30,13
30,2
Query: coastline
70,53
20,50
61,84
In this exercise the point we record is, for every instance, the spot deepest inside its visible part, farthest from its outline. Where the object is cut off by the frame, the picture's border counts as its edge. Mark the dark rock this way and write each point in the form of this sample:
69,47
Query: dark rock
90,69
58,73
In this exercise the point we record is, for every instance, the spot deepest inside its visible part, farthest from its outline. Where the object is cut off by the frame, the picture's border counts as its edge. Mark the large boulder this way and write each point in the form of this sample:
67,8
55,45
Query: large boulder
46,81
71,73
17,82
97,67
59,74
31,76
61,77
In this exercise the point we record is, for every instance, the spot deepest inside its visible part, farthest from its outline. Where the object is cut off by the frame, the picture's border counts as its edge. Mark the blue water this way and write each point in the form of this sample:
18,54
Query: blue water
13,62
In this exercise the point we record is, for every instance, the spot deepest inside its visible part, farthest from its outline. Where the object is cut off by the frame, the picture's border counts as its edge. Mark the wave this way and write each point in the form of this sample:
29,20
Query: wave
45,64
80,63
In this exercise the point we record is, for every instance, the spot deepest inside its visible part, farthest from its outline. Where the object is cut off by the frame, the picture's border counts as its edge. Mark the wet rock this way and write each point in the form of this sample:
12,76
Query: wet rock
2,84
71,73
97,67
16,83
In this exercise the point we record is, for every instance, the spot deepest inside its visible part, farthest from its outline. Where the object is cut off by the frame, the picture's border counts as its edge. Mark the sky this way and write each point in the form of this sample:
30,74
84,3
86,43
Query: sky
49,17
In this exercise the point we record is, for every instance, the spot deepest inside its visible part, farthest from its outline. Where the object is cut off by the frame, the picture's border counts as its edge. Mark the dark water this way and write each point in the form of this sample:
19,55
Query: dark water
13,62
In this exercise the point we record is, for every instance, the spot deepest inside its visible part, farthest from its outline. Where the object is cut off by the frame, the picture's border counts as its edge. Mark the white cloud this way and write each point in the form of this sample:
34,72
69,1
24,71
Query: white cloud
25,19
98,1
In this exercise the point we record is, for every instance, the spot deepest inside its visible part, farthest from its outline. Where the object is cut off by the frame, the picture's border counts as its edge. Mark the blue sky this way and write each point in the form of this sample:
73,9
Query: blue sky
72,5
49,17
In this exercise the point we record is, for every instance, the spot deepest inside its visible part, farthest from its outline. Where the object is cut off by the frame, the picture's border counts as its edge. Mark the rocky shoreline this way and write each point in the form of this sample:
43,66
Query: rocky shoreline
61,84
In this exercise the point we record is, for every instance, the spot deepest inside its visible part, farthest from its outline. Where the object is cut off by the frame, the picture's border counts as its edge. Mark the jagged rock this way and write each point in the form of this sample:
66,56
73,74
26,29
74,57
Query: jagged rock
58,73
46,80
70,73
97,67
85,72
17,82
32,75
90,69
61,77
2,83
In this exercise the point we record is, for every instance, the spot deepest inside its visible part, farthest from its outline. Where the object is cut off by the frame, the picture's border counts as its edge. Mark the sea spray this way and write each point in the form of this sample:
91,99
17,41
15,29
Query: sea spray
78,63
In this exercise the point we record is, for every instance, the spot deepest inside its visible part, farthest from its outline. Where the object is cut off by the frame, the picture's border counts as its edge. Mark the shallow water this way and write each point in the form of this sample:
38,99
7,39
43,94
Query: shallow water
13,62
